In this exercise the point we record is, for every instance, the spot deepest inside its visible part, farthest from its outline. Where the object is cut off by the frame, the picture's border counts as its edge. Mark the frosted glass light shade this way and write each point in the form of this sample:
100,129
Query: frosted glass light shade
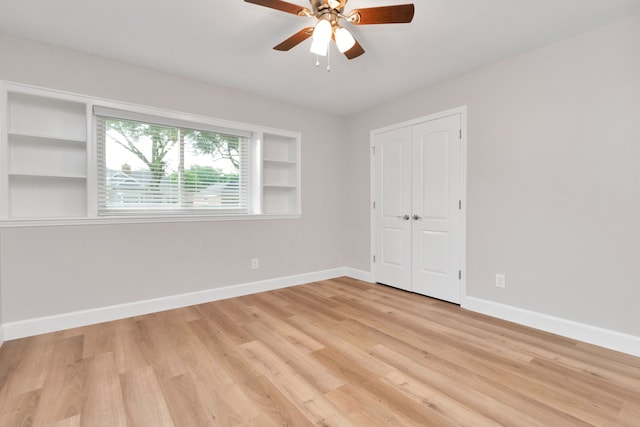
319,47
321,37
322,31
344,40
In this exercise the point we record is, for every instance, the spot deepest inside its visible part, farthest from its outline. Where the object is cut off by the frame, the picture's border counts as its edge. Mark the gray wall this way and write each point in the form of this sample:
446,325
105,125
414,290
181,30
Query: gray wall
56,269
553,176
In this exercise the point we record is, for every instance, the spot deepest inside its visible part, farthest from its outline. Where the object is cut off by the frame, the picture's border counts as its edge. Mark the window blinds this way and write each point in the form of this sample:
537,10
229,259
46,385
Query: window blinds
166,166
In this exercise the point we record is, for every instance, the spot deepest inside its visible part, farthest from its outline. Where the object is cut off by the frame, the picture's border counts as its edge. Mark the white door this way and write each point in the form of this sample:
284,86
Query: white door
436,218
393,208
418,172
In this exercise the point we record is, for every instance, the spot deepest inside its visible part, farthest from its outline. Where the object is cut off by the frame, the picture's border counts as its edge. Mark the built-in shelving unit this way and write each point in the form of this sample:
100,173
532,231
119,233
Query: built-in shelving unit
49,166
46,150
280,174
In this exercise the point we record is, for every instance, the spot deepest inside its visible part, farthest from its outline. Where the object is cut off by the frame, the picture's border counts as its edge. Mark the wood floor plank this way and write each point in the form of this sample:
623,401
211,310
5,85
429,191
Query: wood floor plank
387,395
234,308
224,324
333,340
98,339
10,357
152,337
67,422
296,357
448,408
365,410
277,409
19,409
62,393
293,335
143,399
127,348
307,399
222,354
103,403
337,352
29,373
268,302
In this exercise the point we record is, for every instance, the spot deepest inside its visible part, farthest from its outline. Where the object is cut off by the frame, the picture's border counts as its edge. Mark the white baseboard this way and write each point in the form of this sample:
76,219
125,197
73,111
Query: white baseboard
365,276
613,340
41,325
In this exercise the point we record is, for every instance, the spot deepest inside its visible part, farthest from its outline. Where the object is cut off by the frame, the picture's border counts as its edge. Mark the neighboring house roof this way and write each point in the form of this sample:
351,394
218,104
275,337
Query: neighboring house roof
133,180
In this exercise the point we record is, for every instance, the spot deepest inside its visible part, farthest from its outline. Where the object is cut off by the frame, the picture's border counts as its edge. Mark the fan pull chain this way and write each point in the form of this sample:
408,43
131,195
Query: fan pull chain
328,59
317,60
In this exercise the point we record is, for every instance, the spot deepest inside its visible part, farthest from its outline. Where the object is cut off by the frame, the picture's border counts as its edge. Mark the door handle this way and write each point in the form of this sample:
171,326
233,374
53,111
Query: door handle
405,217
416,217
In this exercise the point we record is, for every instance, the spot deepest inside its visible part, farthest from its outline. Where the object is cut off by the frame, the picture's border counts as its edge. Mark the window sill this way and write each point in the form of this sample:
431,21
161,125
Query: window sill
48,222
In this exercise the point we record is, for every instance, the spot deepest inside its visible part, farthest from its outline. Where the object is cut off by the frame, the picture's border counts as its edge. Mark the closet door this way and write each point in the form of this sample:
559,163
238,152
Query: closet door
418,232
392,212
436,218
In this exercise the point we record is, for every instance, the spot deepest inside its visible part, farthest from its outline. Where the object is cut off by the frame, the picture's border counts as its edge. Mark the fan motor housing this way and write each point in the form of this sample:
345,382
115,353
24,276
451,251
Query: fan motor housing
321,7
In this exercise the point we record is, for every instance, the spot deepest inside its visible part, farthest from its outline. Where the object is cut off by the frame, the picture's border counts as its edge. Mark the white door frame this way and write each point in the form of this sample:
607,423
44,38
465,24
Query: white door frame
463,217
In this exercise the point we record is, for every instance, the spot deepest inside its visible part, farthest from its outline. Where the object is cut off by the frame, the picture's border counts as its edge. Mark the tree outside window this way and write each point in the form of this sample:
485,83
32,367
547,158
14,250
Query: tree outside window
149,166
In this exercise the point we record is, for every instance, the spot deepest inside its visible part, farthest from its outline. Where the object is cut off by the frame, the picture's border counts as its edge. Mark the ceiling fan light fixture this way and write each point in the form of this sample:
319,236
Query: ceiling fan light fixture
321,37
319,47
344,39
322,31
329,14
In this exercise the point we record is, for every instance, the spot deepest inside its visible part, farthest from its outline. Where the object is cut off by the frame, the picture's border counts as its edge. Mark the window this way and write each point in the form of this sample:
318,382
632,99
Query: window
149,165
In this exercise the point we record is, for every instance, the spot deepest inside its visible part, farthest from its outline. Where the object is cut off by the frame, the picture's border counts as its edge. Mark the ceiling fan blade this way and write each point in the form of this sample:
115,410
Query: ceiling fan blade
355,51
280,5
295,39
398,14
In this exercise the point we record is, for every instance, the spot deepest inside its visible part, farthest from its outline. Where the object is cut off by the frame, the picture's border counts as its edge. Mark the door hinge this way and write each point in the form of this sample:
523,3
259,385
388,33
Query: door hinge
460,135
374,258
373,150
460,204
459,274
374,205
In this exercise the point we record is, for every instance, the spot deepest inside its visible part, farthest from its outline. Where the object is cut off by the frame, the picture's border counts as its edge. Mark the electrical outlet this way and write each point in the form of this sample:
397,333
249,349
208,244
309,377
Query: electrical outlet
500,281
254,263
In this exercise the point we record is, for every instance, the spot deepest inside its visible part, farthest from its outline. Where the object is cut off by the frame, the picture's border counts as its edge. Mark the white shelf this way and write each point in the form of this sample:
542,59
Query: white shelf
280,162
282,187
46,197
46,116
46,155
31,137
280,201
280,174
280,148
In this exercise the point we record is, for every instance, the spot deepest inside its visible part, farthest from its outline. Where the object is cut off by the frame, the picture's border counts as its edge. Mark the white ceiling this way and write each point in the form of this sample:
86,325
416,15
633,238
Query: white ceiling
229,42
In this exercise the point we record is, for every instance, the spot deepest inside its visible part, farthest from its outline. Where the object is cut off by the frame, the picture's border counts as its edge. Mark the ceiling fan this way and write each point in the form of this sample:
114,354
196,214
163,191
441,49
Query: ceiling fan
329,14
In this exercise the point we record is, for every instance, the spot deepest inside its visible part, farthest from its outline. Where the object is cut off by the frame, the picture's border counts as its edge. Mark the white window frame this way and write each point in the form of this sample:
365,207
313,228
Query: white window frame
100,114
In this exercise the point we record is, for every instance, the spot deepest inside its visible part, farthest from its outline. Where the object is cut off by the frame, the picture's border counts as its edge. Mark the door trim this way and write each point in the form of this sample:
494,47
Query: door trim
463,217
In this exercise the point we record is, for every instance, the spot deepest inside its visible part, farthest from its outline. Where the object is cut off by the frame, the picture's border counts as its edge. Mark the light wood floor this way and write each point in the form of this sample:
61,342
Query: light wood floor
333,353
